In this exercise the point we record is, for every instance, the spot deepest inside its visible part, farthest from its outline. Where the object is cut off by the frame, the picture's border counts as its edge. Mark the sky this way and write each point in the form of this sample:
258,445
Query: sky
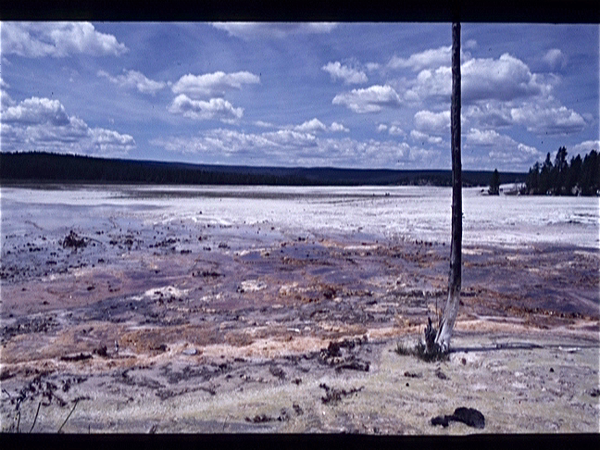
352,95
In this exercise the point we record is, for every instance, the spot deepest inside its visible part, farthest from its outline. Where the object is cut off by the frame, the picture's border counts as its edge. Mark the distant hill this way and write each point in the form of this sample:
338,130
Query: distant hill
43,167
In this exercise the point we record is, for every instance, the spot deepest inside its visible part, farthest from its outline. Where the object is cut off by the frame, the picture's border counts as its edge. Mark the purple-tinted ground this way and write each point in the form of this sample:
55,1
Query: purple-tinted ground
153,320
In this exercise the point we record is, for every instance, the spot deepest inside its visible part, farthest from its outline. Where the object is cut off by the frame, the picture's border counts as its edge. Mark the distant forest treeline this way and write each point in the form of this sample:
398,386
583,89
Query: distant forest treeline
43,167
577,177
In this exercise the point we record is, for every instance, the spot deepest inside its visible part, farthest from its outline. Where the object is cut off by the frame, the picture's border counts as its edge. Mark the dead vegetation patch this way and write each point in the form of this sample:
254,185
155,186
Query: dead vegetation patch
333,396
150,339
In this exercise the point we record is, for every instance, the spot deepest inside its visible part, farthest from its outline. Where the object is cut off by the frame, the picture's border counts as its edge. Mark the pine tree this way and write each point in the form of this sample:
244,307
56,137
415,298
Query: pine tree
560,169
574,175
545,183
494,183
532,182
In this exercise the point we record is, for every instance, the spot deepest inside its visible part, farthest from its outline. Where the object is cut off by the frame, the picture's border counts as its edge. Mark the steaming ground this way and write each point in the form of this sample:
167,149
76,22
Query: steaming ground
278,309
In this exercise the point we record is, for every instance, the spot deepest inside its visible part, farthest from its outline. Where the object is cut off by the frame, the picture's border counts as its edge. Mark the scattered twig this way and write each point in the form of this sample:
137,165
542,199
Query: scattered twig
334,395
36,416
260,418
74,406
18,421
74,358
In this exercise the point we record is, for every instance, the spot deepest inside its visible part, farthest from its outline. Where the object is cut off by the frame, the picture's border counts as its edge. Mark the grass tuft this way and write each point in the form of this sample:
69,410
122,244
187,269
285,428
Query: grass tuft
420,351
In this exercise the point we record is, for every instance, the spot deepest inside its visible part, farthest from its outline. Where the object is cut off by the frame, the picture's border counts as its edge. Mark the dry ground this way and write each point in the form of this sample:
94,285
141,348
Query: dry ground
230,331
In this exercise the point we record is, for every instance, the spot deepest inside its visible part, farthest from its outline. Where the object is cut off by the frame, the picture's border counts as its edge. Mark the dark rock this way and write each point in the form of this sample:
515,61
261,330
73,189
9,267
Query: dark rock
72,240
277,372
413,375
594,392
260,418
284,416
440,420
470,417
441,375
102,351
160,348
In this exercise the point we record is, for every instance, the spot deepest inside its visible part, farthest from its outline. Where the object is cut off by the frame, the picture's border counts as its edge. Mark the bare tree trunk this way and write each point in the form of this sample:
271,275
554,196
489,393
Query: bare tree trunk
454,279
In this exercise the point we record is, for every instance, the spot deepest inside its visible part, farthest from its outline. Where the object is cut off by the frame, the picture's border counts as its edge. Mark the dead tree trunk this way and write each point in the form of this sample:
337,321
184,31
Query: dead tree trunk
446,324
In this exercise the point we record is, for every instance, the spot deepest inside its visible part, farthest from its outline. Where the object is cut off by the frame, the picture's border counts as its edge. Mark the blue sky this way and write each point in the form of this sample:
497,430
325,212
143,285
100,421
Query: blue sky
326,94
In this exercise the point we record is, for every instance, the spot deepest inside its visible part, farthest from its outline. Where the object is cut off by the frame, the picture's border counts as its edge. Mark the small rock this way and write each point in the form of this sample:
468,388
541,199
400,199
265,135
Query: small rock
413,375
440,420
594,392
441,375
190,351
102,351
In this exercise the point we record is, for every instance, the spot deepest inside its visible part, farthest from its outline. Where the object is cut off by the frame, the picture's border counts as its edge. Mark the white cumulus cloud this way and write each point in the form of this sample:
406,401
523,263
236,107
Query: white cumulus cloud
506,78
431,58
553,120
215,108
256,30
555,59
585,147
134,79
490,114
501,149
432,123
311,126
431,83
34,111
315,125
213,84
371,99
57,39
336,127
349,75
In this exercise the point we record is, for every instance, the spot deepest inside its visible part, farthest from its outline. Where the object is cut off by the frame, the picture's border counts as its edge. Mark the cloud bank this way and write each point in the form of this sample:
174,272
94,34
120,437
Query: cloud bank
42,124
57,39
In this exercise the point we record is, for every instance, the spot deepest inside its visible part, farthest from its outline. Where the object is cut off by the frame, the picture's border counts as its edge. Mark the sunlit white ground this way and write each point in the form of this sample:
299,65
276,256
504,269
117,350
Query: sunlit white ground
378,212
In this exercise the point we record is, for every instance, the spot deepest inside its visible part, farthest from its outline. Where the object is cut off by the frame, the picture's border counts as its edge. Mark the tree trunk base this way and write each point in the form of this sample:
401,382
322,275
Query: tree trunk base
433,351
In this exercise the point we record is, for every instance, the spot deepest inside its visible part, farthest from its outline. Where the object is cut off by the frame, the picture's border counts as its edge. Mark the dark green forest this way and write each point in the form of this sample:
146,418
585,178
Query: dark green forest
43,167
575,177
